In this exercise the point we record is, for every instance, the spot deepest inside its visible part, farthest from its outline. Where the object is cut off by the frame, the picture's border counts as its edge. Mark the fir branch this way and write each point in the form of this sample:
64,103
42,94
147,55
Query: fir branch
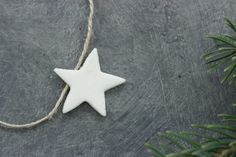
223,145
219,140
223,54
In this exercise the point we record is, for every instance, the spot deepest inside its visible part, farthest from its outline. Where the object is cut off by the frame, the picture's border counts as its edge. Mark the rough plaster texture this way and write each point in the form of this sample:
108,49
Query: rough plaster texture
154,44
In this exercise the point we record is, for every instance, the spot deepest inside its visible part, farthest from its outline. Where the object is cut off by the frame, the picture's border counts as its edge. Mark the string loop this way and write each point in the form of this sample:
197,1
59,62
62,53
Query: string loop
66,88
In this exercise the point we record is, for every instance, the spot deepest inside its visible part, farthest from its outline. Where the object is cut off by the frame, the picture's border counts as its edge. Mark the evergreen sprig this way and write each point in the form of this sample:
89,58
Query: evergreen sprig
224,53
216,141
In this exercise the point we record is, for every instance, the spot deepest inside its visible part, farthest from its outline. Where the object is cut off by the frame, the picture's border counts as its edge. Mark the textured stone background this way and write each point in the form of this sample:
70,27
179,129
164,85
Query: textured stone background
154,44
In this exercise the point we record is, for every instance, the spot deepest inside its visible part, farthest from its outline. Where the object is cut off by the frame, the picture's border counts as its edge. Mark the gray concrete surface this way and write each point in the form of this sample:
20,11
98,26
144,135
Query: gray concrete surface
154,44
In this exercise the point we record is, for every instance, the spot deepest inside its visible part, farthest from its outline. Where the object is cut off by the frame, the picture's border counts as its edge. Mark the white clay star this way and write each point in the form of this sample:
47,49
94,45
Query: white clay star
88,84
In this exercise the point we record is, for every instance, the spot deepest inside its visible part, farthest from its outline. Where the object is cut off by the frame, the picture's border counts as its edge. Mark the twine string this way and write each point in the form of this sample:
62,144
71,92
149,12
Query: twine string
66,88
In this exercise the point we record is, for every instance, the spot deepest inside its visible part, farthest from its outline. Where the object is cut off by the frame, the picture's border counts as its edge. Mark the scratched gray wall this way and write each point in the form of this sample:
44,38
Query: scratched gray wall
154,44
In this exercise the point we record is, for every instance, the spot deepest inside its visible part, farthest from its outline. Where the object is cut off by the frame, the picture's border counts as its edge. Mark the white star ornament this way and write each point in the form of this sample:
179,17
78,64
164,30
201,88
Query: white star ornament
88,84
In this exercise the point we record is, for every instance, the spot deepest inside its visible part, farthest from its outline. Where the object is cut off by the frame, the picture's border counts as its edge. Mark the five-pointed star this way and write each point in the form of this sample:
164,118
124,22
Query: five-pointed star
88,84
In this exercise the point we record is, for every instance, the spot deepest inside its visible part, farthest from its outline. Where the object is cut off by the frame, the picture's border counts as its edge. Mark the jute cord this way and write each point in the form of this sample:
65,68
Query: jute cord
66,88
